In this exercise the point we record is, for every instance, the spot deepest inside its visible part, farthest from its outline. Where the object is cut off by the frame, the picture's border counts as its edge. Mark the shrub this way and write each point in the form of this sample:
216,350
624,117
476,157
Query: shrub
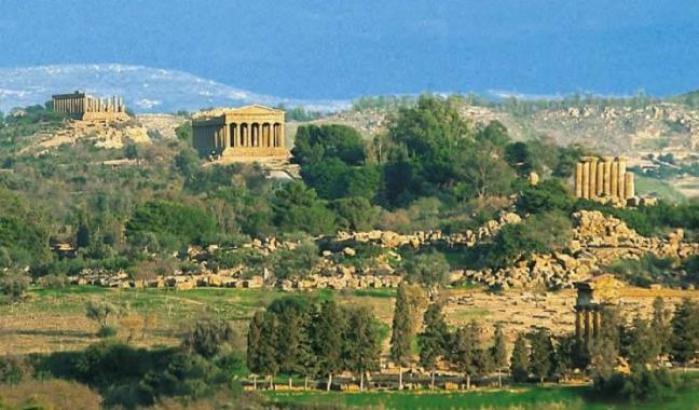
639,386
107,331
208,337
13,286
13,369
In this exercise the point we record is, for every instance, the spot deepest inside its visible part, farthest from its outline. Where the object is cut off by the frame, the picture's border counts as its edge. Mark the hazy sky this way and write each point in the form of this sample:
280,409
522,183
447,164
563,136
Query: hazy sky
346,48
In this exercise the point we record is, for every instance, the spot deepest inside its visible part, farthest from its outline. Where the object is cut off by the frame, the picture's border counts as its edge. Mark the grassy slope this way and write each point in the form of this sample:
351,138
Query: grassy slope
662,189
527,398
51,320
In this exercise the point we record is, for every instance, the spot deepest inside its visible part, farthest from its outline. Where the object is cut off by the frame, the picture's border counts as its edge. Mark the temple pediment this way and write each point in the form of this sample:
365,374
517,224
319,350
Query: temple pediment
255,109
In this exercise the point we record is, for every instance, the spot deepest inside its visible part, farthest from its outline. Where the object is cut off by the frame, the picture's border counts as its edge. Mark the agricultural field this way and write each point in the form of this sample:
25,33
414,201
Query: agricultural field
51,320
539,398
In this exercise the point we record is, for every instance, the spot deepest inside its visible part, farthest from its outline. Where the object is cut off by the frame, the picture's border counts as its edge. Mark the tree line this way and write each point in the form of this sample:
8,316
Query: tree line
627,359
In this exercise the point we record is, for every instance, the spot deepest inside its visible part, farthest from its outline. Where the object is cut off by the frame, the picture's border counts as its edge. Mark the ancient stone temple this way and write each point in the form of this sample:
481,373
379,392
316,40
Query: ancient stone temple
604,179
253,131
85,107
593,296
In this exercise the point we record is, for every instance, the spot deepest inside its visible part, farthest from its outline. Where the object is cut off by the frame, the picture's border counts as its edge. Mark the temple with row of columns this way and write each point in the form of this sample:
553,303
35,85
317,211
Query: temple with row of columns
604,179
81,106
247,132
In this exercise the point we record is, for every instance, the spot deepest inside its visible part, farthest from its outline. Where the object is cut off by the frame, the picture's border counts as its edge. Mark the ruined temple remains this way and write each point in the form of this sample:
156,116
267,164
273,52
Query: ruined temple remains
604,179
253,131
593,296
85,107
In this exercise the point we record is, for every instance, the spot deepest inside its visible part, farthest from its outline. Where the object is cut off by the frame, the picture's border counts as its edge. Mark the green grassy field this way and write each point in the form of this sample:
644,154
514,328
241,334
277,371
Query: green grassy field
54,319
659,188
525,398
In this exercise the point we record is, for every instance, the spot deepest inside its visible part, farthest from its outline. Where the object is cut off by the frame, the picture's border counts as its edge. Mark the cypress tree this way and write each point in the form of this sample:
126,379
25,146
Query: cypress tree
499,351
644,347
433,340
403,327
685,332
327,339
465,350
519,363
605,349
541,359
267,351
363,342
660,324
289,342
253,343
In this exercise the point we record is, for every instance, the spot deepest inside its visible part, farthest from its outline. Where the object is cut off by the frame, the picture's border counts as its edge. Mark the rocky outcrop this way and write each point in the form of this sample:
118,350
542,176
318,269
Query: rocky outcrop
393,240
597,241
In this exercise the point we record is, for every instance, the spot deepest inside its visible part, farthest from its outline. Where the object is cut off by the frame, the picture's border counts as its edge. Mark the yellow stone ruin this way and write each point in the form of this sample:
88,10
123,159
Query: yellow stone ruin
254,131
81,106
593,295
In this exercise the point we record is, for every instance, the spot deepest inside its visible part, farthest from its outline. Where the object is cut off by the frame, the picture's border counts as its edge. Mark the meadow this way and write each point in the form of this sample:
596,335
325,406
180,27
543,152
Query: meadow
51,320
545,398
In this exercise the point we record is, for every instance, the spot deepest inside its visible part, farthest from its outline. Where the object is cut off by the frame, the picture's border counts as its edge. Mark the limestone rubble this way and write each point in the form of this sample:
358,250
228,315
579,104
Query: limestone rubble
596,241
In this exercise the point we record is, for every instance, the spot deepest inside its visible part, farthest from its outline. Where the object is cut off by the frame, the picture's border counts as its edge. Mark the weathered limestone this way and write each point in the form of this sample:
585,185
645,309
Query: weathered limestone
630,186
593,178
604,179
622,179
593,296
586,180
607,176
600,178
615,179
578,180
247,132
88,108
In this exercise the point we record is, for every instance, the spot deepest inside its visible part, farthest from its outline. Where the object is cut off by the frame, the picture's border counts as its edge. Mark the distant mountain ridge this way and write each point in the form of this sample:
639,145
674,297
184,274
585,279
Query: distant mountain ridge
145,89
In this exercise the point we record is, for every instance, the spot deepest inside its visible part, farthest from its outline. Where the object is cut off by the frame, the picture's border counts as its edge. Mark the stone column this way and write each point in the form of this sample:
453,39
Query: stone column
593,178
578,179
622,178
586,179
588,325
597,324
282,135
226,138
630,185
578,324
614,179
607,177
600,178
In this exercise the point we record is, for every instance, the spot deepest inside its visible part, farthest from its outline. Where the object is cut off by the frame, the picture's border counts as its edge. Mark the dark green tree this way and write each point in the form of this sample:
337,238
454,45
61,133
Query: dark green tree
355,213
254,341
660,325
549,195
431,269
519,362
542,356
267,350
433,340
685,332
297,208
314,144
209,337
465,353
519,157
363,343
403,329
328,331
499,351
644,347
